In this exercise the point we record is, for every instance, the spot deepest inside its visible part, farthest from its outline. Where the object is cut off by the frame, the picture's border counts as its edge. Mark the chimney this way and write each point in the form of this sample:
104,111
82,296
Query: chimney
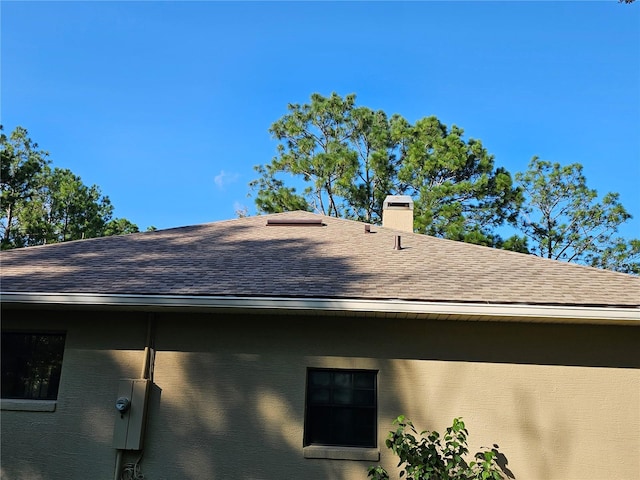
397,212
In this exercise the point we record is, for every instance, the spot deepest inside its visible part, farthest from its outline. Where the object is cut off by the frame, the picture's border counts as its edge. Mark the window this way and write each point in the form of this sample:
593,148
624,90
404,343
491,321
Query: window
341,408
31,365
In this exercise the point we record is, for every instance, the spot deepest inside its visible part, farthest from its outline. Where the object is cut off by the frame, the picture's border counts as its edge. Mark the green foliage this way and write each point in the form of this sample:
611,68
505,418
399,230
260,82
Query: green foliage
120,226
349,158
455,187
565,221
42,205
21,166
428,456
621,256
273,196
345,159
515,243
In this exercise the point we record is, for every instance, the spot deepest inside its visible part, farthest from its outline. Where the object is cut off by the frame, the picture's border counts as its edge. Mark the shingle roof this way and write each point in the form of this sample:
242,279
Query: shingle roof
245,257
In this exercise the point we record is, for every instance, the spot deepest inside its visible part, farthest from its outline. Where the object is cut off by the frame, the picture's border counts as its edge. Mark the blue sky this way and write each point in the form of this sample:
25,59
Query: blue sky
166,105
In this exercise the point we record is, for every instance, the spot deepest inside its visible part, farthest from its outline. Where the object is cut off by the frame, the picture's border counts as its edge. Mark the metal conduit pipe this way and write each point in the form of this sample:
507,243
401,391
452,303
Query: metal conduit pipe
149,349
118,468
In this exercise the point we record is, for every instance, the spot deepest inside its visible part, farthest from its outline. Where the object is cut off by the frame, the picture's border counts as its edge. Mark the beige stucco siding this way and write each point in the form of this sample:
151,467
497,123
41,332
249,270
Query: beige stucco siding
74,442
228,400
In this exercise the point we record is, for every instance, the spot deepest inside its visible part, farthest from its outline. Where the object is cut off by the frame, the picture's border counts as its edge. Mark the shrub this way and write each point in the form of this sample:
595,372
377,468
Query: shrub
427,456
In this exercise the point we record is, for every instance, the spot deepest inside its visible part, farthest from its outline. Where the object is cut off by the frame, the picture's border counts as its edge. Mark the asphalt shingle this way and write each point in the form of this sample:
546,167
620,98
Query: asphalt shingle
245,257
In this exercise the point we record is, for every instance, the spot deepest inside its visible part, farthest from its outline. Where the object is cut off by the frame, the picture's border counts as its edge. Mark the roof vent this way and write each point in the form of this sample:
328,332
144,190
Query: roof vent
294,222
397,212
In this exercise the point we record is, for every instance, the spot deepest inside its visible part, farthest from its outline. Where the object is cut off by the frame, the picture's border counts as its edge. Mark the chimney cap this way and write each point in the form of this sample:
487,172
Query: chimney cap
398,201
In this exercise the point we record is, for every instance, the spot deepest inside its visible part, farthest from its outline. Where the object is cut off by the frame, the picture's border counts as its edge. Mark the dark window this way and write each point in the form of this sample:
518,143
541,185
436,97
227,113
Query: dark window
341,408
31,365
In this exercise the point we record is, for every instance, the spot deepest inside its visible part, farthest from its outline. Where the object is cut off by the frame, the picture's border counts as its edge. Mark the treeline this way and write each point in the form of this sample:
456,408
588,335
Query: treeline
42,205
348,158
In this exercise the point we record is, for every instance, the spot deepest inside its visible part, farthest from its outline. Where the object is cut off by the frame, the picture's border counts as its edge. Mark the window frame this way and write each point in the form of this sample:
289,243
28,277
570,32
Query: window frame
40,402
333,448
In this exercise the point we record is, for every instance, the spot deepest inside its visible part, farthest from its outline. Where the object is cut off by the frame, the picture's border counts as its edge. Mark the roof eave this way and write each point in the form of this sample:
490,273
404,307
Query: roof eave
612,315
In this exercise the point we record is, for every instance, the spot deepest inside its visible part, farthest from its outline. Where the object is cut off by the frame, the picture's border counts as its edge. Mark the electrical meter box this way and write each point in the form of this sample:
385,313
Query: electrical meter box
131,414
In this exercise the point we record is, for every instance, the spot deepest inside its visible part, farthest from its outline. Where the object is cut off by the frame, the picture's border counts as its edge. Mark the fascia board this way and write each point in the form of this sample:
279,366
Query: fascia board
322,306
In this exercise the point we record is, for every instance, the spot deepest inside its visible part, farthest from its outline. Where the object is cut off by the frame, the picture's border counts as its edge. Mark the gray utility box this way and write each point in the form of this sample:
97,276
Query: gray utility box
128,433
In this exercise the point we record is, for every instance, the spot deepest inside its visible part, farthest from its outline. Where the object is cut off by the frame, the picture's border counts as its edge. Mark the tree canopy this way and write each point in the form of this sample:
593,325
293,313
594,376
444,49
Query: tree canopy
564,219
341,159
348,158
41,205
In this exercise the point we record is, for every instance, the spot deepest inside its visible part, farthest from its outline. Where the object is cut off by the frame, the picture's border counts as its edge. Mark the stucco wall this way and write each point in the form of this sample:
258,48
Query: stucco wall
560,401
